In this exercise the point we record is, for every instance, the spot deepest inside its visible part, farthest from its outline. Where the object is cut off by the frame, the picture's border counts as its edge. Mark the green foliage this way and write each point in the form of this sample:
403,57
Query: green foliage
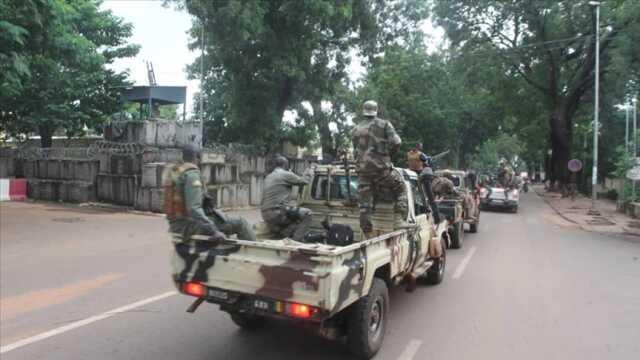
547,47
493,150
264,57
57,75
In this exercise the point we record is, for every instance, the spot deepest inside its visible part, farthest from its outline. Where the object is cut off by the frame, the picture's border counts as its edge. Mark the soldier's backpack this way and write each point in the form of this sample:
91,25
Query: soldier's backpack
174,206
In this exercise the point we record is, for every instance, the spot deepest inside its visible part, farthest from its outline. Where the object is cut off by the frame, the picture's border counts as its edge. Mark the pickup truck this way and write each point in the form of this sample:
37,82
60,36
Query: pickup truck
453,210
338,291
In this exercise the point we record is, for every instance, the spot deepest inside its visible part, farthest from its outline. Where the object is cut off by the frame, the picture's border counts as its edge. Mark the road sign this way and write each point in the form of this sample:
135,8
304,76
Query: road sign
634,173
574,165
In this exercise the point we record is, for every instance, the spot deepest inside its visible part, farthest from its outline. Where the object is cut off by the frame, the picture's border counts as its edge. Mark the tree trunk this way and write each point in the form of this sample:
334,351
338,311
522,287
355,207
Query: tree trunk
326,137
46,136
560,124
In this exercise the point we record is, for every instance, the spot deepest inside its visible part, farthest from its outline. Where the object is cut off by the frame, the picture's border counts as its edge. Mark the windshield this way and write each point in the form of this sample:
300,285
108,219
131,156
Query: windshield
341,186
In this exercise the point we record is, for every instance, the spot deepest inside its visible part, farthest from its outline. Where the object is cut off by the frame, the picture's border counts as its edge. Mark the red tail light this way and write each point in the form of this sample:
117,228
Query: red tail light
194,289
300,310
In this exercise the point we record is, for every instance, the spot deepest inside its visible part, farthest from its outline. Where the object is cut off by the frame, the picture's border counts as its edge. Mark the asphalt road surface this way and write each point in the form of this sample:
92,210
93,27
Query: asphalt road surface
80,283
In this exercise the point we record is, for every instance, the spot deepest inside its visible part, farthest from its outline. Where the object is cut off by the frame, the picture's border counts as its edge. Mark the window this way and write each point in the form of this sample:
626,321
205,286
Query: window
419,203
340,185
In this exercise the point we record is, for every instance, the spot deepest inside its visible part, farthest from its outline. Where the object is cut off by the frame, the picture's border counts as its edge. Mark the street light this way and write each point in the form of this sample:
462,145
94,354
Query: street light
594,176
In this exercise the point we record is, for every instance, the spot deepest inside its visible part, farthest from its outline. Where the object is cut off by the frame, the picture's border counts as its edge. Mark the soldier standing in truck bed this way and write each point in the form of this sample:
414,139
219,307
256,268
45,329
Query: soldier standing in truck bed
183,204
374,141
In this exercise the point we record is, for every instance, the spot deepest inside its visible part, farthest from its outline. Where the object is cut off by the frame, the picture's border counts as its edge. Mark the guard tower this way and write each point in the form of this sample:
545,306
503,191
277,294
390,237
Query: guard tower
152,97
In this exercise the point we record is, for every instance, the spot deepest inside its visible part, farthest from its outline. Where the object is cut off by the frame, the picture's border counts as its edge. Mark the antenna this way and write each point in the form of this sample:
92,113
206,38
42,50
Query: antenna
151,75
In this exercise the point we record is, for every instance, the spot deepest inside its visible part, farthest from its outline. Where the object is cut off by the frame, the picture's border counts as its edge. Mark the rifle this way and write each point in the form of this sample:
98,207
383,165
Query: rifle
430,160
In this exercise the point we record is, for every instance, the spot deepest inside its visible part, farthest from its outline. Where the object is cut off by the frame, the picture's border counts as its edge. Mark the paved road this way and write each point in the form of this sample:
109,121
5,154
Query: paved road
525,287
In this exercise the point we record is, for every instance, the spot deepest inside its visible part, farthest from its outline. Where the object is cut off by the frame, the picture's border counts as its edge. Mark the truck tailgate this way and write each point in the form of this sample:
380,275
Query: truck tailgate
264,269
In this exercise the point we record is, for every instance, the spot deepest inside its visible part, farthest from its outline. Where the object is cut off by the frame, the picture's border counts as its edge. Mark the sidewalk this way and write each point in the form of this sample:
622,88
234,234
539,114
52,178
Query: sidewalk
577,212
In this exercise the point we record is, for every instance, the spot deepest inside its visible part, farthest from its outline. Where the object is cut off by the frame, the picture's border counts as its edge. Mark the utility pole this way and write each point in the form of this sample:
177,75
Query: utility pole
634,101
626,129
594,176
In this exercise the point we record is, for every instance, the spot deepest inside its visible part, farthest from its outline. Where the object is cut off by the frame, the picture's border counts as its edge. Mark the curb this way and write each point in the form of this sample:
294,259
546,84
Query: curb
558,211
625,229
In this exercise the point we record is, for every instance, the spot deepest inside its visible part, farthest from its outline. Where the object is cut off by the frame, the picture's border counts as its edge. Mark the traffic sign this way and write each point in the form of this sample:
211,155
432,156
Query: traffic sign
634,173
574,165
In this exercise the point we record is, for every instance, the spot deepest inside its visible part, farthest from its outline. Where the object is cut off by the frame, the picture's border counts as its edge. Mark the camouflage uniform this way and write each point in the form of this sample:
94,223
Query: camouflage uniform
443,187
373,140
284,220
189,196
505,175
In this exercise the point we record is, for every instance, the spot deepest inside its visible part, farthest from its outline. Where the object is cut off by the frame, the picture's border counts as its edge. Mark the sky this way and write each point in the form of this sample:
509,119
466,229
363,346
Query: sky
162,34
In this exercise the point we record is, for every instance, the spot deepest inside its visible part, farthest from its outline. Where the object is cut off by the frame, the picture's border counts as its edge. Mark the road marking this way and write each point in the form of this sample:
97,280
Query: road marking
463,264
411,350
84,322
14,306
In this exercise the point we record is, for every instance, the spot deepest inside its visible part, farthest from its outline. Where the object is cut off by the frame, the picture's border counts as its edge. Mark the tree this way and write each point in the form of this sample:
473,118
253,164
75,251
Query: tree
60,79
547,44
489,154
263,57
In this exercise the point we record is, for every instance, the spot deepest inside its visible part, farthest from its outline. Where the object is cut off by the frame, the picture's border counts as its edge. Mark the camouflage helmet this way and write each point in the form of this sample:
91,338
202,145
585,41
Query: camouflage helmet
370,108
447,173
191,152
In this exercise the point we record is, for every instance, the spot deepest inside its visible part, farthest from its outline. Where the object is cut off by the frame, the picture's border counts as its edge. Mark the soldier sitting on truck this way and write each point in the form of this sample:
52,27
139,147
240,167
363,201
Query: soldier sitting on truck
184,196
284,220
444,186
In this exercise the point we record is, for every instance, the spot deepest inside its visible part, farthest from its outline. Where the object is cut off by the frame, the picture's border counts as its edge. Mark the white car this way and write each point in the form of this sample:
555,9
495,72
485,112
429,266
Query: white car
496,197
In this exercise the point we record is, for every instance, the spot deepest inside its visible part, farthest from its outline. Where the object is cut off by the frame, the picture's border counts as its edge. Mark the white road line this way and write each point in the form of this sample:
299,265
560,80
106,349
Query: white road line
411,350
80,323
463,264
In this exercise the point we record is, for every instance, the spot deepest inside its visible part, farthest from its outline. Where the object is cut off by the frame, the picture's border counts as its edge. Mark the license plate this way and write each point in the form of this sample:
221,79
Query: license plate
497,201
262,305
219,294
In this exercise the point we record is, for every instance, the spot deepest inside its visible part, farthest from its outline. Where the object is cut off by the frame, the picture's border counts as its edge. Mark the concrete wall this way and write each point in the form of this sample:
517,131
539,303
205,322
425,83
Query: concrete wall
128,169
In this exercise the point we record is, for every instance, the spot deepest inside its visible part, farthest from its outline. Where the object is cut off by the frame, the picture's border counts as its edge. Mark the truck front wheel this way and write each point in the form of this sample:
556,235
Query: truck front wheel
367,322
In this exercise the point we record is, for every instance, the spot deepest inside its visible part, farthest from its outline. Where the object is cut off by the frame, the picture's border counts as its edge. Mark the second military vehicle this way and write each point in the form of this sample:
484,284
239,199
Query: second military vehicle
337,283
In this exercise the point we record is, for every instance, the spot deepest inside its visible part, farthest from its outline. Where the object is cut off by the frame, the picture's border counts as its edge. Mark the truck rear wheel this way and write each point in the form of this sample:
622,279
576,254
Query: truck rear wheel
457,235
367,322
435,274
247,321
473,228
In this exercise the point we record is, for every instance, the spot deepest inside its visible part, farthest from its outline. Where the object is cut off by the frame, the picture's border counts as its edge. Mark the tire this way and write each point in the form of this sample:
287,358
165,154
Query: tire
473,228
248,322
367,321
435,274
457,235
514,209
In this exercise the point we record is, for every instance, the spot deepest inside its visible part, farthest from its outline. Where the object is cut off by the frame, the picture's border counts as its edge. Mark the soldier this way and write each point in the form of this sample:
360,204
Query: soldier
443,185
184,197
282,219
374,140
505,174
416,158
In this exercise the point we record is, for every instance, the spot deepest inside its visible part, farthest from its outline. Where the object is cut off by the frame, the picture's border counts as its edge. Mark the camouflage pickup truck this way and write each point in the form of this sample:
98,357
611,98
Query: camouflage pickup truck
339,291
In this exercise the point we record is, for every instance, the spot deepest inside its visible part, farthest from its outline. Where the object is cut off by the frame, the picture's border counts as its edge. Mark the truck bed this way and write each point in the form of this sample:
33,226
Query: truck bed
238,272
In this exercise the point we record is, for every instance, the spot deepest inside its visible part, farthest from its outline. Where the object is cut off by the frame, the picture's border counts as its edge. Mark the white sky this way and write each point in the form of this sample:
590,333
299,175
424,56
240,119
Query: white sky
162,34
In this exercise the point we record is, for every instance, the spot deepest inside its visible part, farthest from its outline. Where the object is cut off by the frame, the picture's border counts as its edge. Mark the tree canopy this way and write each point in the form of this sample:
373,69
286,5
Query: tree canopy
54,75
265,57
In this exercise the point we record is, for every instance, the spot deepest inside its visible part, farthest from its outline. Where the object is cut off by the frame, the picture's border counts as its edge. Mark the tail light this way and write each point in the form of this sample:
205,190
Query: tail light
484,192
301,311
194,289
515,193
